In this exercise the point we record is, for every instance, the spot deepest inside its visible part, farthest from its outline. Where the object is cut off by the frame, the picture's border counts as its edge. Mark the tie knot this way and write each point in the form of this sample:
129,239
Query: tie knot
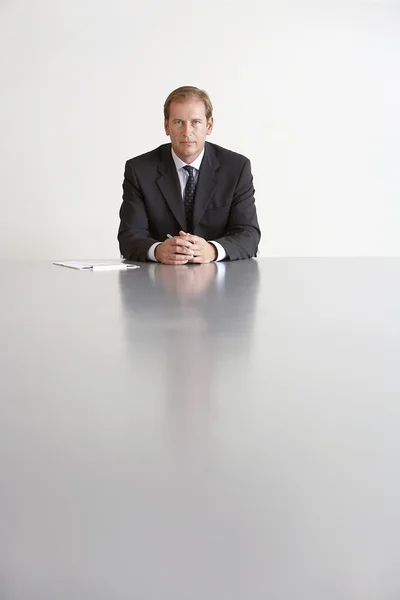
189,170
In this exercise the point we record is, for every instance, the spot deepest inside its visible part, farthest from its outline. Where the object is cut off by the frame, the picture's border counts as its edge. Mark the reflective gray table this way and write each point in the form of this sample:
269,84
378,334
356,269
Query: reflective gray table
223,432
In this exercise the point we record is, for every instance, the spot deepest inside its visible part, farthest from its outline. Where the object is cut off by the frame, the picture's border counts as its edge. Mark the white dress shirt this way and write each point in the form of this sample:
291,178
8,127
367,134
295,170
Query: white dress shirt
183,176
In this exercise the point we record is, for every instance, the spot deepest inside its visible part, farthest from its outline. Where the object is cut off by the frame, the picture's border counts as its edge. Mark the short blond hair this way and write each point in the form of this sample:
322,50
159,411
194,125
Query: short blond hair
187,92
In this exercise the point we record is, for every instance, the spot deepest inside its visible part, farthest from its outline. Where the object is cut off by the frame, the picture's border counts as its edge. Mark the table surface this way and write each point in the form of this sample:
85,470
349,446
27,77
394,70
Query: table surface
226,432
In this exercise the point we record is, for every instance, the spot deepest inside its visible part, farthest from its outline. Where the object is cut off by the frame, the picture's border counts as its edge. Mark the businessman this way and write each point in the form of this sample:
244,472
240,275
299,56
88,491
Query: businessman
188,201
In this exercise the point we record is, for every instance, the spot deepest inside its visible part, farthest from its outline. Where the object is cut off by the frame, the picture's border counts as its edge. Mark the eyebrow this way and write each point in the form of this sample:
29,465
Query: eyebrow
194,119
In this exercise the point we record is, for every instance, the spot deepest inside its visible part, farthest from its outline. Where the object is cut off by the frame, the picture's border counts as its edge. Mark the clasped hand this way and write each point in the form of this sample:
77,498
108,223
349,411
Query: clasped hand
185,248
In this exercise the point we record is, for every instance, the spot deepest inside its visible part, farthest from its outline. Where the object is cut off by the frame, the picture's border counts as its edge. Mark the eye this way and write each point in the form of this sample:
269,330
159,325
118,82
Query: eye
196,121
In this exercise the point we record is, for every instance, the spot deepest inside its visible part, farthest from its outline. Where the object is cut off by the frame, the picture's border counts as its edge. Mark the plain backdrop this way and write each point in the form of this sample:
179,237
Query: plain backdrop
310,92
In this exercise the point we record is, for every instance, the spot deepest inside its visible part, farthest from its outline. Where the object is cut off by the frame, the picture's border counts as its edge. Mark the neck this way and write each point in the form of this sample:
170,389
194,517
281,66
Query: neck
188,159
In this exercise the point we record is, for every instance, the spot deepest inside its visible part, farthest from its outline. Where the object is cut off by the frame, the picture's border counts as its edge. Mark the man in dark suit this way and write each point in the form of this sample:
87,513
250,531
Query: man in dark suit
189,201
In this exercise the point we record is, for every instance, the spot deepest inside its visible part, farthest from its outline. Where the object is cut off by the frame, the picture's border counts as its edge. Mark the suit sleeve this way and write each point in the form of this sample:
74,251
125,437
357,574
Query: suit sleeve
133,232
243,232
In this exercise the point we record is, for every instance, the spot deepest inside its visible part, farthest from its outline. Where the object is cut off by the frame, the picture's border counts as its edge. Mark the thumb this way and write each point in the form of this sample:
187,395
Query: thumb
182,233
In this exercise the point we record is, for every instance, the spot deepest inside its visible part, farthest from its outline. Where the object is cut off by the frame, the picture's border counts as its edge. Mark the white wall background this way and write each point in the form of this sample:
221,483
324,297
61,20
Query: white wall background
309,91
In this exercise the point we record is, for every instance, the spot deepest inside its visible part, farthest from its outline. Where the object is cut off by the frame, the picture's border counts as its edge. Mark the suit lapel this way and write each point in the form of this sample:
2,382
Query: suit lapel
168,183
206,183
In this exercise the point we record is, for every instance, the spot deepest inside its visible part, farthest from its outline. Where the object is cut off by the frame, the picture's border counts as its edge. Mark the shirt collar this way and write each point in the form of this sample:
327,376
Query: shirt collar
179,164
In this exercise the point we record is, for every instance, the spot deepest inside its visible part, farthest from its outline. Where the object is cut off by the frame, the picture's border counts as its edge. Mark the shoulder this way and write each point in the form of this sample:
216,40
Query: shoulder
153,157
225,156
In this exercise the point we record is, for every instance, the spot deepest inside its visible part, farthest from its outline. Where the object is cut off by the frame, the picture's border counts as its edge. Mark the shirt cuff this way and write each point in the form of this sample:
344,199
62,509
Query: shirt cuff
220,250
151,252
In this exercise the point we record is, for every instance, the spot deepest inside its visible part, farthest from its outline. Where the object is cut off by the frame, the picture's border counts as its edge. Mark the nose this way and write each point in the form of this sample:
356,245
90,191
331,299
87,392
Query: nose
187,129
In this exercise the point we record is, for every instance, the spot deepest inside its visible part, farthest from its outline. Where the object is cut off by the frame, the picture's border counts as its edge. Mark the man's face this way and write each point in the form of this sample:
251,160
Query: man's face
188,128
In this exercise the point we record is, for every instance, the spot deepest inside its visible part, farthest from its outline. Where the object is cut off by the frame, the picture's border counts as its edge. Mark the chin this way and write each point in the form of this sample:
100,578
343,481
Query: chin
188,152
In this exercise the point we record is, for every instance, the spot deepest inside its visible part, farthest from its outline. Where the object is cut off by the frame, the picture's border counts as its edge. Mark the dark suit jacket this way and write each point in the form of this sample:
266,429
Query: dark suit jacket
224,208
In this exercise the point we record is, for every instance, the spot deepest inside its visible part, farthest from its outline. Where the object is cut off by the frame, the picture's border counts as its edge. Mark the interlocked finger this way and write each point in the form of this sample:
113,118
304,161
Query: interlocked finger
182,247
176,259
198,259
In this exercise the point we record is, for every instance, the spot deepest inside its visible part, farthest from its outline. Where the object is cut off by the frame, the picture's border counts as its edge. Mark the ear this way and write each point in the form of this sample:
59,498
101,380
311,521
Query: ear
210,125
166,127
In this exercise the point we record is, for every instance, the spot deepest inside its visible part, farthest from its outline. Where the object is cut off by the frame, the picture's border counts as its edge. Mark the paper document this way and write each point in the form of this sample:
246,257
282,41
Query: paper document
98,265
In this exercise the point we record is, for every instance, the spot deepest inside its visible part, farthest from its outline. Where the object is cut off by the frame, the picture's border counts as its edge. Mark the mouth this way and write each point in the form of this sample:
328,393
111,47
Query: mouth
188,143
